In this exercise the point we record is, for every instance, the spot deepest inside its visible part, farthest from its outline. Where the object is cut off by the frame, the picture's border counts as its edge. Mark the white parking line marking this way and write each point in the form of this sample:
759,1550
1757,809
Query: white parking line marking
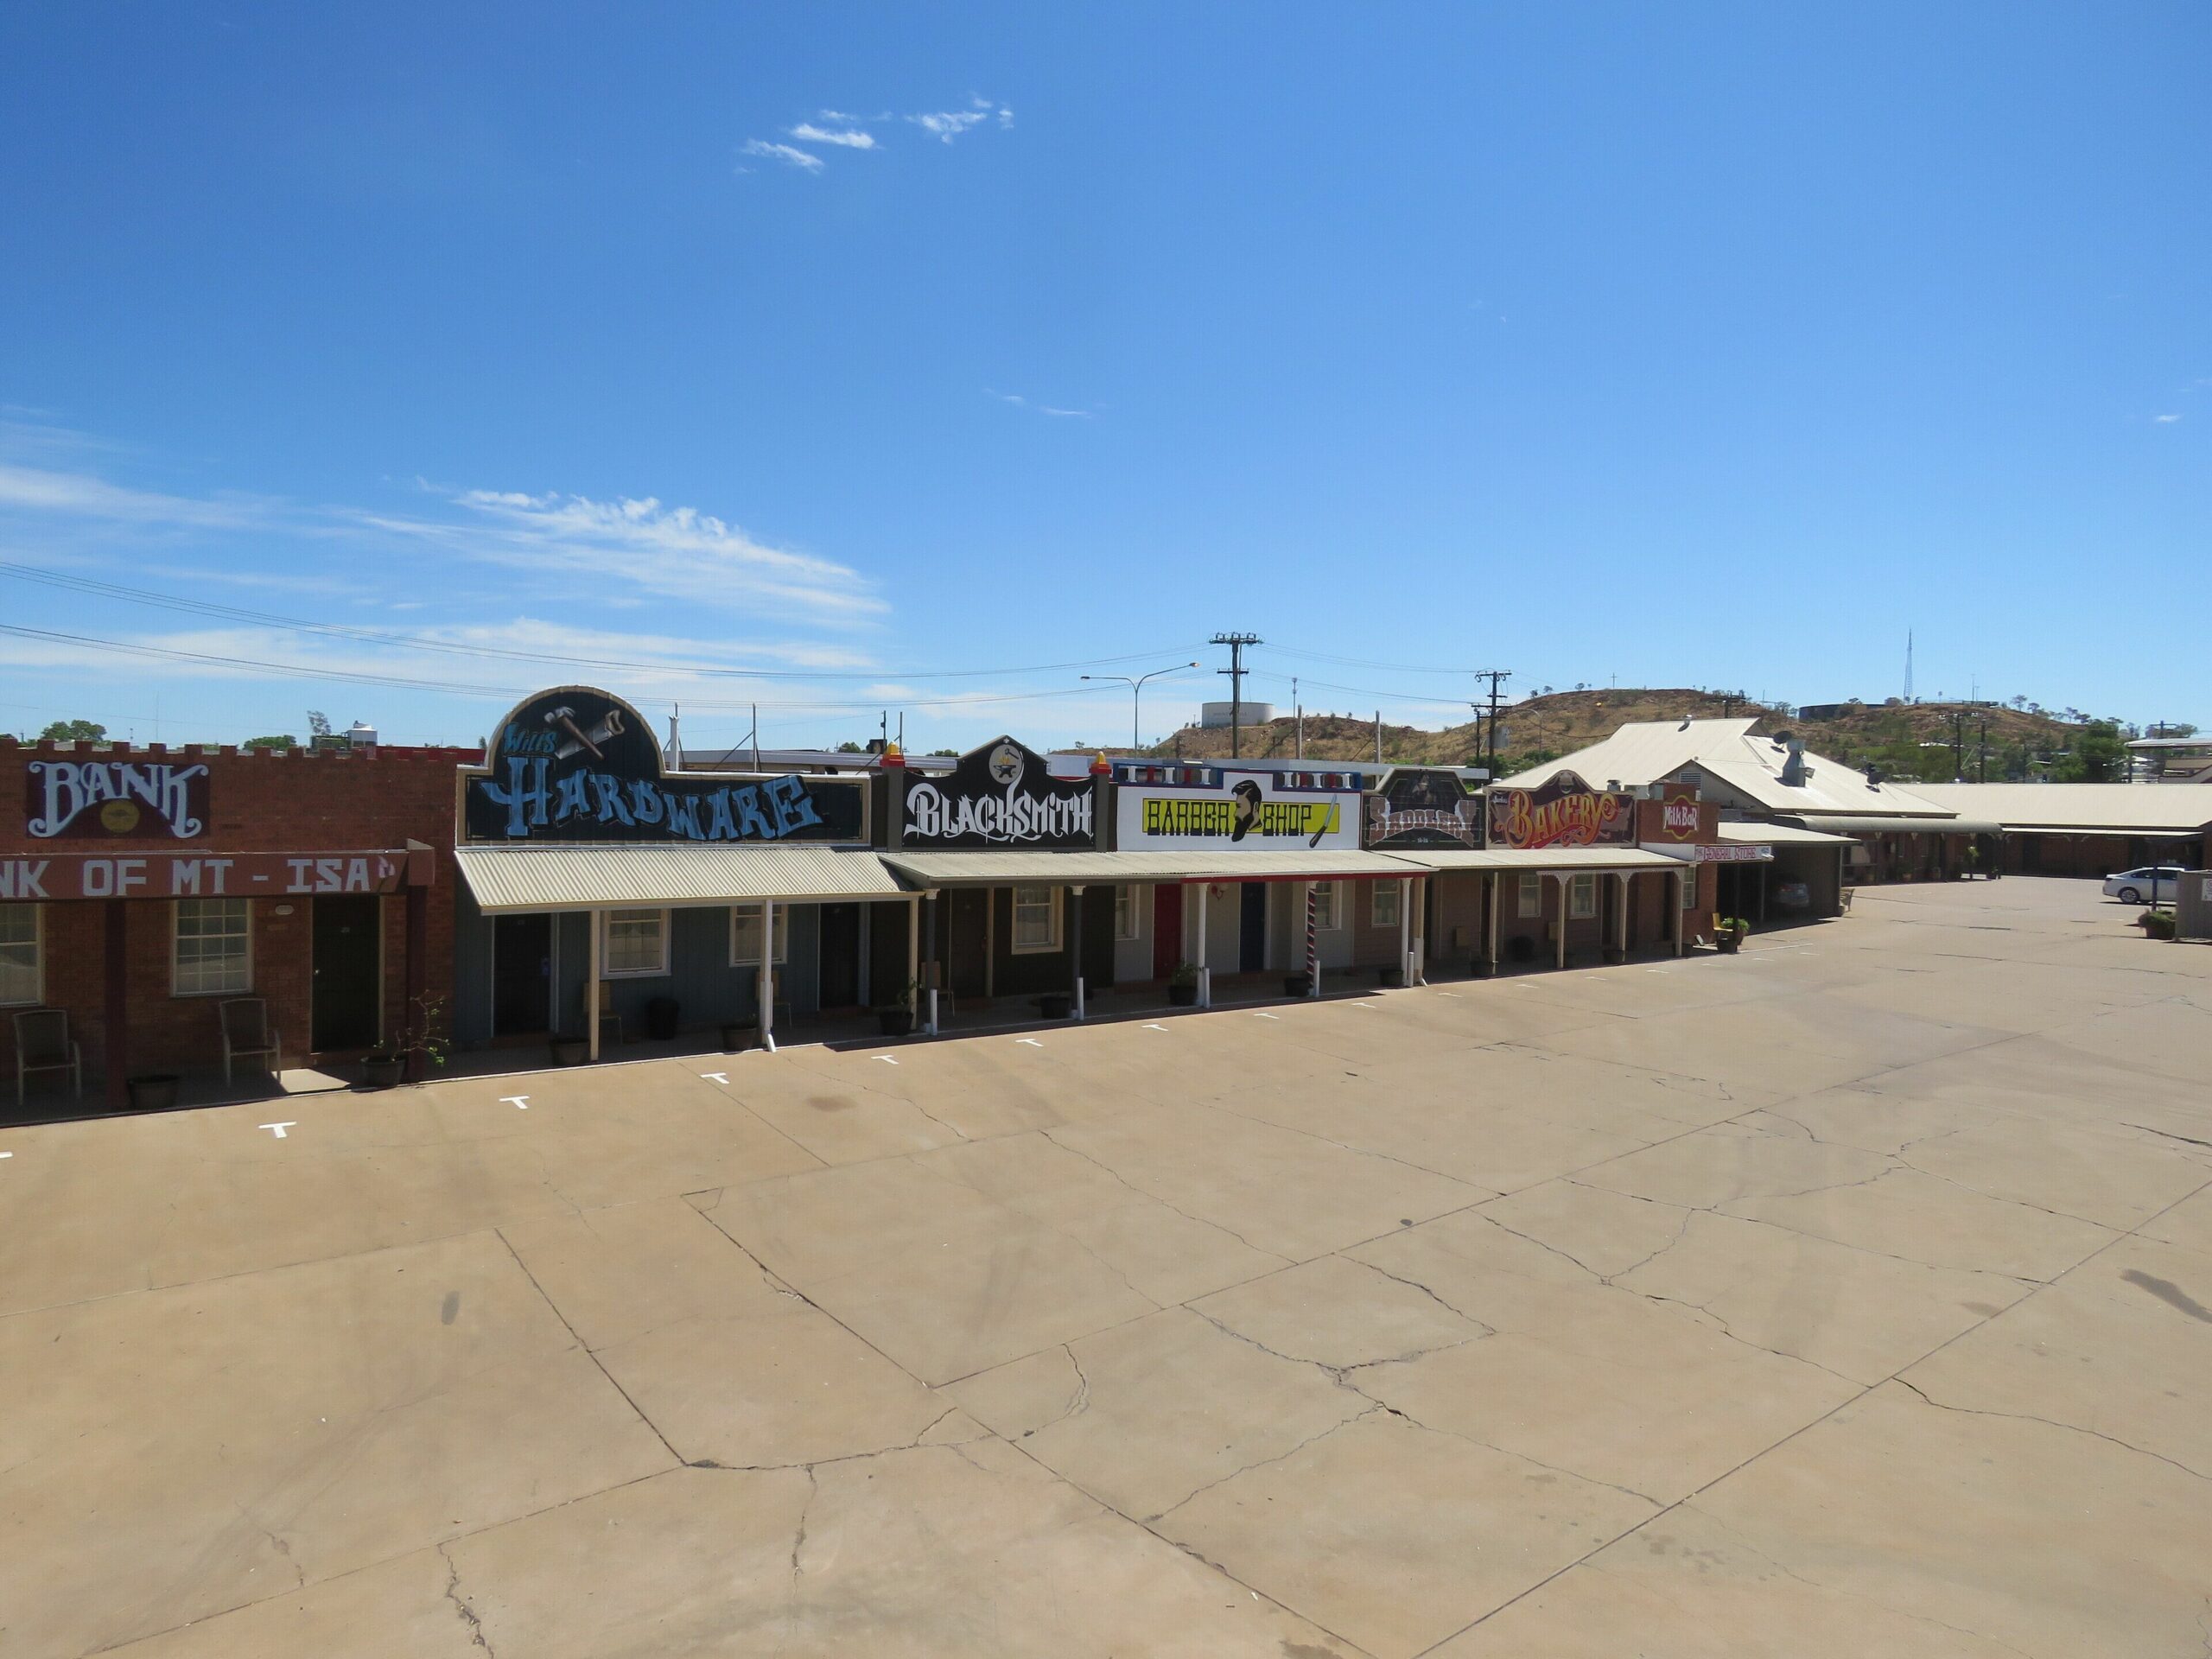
722,1077
1153,1026
7,1154
1032,1041
887,1059
1454,996
289,1123
520,1103
1256,1014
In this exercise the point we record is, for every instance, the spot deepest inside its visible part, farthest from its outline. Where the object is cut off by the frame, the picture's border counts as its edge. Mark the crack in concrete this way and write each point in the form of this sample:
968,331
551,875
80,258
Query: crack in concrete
453,1594
2047,1422
798,1539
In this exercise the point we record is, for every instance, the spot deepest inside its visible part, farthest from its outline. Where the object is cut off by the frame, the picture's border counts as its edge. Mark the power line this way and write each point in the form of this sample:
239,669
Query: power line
418,642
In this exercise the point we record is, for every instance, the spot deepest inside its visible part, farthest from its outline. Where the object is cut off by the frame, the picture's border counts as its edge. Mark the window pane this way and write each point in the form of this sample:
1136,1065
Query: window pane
744,936
1583,900
18,953
1036,921
632,942
1532,896
1386,904
212,956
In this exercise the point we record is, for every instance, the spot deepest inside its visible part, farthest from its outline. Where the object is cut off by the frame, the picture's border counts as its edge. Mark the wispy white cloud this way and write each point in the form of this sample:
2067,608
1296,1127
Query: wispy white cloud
1019,401
39,490
848,137
789,155
2165,419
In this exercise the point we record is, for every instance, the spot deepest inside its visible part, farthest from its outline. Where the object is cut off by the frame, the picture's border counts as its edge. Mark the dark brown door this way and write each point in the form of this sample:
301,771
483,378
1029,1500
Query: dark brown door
1167,929
840,956
348,977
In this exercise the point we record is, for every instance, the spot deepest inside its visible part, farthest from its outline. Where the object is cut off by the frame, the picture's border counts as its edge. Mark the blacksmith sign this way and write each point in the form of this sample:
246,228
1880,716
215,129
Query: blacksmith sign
1424,806
1001,795
94,800
1562,811
578,764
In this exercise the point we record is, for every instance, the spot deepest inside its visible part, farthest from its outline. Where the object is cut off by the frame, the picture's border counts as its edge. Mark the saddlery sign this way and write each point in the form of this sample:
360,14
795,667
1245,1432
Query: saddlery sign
576,765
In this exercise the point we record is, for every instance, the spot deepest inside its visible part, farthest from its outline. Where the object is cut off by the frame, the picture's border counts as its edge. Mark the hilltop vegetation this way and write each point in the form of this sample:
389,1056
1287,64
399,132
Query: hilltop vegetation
1907,741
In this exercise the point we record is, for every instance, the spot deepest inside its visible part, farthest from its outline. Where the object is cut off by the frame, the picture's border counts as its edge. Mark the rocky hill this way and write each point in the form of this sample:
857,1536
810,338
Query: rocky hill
1907,740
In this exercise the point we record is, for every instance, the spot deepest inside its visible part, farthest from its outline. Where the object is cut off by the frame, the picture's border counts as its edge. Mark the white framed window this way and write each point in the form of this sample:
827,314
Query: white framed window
1036,921
744,936
211,948
633,943
22,955
1324,906
1127,914
1689,886
1532,895
1582,898
1382,904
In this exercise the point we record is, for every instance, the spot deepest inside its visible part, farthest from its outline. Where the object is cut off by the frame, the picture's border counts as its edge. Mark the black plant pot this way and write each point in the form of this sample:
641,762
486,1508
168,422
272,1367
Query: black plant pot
1482,969
1295,985
895,1022
571,1050
1056,1005
736,1038
1391,979
155,1093
1730,941
1182,996
1614,953
382,1071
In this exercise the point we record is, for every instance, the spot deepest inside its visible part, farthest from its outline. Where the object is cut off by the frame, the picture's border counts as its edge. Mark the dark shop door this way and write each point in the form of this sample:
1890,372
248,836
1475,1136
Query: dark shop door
840,956
348,977
522,974
1252,927
1167,929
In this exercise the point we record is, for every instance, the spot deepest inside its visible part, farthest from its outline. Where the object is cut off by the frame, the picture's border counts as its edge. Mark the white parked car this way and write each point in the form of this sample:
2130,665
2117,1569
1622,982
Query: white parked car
2151,885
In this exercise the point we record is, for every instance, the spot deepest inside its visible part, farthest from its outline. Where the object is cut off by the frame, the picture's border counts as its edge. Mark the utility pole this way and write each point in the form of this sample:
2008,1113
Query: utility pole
1378,737
1298,715
1984,777
1495,675
1236,642
1958,747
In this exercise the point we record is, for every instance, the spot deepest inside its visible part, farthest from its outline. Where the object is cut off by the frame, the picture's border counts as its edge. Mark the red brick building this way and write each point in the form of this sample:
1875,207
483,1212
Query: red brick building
225,874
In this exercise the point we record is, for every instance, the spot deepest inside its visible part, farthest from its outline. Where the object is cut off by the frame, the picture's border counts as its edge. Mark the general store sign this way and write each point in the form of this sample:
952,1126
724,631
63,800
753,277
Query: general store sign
1003,794
91,799
576,764
231,875
1731,852
1246,811
1564,811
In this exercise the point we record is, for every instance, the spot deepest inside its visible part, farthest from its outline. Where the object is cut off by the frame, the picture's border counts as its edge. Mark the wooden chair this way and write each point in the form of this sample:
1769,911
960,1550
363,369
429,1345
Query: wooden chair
609,1015
248,1035
43,1044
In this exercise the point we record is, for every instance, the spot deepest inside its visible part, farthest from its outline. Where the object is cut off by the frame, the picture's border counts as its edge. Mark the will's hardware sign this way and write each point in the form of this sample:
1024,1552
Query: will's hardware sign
97,800
1564,811
578,764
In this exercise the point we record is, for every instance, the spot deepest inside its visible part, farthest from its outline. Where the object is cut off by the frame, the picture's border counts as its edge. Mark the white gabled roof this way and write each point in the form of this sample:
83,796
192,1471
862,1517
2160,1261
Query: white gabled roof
1646,751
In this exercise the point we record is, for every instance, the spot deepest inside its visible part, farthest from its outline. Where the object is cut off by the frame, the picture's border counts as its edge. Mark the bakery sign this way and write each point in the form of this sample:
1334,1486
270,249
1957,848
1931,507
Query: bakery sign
1003,794
1562,811
577,763
1245,811
94,799
1424,806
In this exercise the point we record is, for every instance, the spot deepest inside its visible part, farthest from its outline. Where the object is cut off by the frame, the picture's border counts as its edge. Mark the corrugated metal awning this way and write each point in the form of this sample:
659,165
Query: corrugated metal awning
1541,858
1854,825
1780,834
588,877
999,869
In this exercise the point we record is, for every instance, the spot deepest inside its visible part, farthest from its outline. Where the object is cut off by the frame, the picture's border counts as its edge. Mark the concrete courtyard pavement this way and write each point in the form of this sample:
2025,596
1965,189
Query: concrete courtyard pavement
1852,1296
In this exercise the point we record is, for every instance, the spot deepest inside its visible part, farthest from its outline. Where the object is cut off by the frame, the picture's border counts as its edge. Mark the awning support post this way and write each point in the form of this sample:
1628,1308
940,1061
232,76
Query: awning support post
591,987
415,980
1681,904
1492,958
1420,931
929,950
1564,878
1205,974
913,952
1628,882
1406,932
1312,944
764,980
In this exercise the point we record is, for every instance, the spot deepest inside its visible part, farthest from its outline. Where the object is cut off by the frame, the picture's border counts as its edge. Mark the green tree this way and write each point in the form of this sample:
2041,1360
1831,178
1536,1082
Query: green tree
2097,757
74,731
279,741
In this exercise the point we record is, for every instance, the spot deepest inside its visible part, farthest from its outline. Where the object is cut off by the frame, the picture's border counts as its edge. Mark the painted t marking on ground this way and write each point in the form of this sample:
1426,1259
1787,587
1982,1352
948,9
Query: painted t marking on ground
1032,1041
722,1077
279,1128
1256,1014
887,1059
520,1103
1154,1025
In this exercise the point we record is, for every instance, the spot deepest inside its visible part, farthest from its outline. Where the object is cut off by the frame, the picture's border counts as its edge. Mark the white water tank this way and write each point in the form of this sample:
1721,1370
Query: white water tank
361,736
1217,714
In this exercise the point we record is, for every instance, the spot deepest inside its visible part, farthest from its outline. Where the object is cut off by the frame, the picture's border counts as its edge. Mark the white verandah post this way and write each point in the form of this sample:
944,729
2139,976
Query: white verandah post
591,987
765,982
1406,973
1205,974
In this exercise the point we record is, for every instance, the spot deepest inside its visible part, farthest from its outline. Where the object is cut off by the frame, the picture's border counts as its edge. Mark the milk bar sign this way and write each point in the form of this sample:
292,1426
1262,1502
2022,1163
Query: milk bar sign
1564,811
235,876
1001,795
96,799
578,764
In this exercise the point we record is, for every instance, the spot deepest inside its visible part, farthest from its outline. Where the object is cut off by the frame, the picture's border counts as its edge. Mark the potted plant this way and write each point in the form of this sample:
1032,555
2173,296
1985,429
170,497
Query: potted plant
2155,923
152,1092
422,1033
1056,1005
1728,933
898,1020
568,1049
1183,986
381,1067
1295,984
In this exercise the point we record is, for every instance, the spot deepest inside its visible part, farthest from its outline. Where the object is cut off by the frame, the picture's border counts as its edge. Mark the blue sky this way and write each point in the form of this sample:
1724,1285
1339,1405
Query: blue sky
1710,345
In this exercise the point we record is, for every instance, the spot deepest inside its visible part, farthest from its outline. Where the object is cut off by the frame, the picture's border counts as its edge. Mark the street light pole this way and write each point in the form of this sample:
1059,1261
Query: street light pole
1136,688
